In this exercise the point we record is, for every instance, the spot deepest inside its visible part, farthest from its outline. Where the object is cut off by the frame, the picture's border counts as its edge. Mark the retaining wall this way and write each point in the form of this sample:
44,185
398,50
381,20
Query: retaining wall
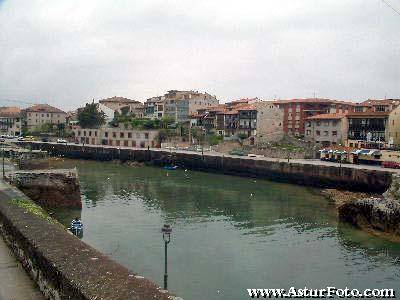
63,266
344,177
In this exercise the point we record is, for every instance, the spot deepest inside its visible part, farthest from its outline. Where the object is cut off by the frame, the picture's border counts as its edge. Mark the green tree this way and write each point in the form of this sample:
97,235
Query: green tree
91,117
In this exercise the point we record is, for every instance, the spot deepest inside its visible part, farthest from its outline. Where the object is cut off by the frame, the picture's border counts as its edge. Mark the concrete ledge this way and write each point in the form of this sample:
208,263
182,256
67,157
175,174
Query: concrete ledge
345,177
63,266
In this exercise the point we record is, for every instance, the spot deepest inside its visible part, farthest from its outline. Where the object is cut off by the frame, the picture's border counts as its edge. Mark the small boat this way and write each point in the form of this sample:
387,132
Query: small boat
170,167
76,227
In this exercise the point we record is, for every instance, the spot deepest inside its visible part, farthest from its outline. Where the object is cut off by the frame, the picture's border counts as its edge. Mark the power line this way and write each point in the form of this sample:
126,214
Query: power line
391,6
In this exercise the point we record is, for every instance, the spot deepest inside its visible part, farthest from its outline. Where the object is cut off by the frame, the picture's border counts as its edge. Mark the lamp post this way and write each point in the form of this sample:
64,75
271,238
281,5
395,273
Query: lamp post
166,232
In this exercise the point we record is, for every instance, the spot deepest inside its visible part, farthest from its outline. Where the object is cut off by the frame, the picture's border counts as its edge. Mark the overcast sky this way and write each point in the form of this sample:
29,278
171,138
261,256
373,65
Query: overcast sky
67,52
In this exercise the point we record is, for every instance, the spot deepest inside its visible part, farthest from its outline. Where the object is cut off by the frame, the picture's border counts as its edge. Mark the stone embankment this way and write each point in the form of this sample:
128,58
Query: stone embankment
377,215
63,266
49,188
326,176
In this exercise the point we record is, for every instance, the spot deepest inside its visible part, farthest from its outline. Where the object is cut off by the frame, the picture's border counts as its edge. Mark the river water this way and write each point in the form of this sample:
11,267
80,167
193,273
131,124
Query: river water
229,233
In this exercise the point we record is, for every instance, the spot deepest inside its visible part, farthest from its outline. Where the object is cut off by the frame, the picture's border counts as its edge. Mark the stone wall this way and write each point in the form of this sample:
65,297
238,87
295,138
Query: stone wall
344,177
49,188
63,266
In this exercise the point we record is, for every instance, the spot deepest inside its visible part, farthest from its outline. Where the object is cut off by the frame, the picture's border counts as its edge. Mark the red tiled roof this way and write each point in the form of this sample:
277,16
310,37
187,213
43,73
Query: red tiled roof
10,112
314,100
118,100
381,101
335,116
44,108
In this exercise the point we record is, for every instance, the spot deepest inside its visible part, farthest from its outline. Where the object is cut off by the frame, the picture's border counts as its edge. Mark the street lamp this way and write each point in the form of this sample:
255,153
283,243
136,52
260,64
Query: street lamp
166,232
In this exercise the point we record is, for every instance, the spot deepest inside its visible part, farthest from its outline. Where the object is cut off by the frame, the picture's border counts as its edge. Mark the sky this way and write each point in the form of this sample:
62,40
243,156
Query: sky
68,52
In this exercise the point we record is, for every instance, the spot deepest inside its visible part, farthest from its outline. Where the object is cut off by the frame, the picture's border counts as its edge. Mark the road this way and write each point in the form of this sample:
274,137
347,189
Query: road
300,161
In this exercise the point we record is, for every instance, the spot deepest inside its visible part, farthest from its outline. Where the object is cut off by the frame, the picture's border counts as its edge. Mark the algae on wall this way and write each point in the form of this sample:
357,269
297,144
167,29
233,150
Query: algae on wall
33,208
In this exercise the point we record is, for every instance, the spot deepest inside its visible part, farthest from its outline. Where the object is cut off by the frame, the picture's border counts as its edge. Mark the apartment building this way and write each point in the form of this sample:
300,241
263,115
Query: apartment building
327,129
154,107
179,105
116,136
10,120
37,115
368,129
296,111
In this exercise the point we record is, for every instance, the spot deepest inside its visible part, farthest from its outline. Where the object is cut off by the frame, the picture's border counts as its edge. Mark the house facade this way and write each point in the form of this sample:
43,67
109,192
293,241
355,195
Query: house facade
37,115
10,120
296,111
368,129
269,122
327,129
179,105
116,136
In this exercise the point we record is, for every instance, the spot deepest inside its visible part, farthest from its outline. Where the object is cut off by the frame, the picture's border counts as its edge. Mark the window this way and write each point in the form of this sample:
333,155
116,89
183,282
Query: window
95,133
318,132
318,123
380,108
121,135
114,134
47,115
126,143
326,133
129,135
146,135
334,133
106,134
358,109
79,133
84,133
308,132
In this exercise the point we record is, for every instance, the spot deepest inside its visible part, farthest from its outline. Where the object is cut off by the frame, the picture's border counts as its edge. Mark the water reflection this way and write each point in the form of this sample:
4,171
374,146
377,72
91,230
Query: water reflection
230,233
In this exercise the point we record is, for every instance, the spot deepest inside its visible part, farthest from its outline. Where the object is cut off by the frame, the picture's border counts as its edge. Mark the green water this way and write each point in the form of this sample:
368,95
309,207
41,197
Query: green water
229,233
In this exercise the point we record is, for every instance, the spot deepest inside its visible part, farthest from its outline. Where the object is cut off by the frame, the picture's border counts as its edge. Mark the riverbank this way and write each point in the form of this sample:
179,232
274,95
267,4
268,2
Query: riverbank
348,177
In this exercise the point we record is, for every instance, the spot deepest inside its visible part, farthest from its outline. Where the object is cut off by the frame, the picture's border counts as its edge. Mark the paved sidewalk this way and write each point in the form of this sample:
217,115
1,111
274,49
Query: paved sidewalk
15,283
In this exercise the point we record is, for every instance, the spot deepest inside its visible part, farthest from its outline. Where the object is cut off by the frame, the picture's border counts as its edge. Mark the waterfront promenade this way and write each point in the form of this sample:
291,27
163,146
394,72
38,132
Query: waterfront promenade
260,158
15,284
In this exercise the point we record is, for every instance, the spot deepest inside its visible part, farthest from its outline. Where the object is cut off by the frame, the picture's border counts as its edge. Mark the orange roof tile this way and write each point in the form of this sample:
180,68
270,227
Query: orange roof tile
44,108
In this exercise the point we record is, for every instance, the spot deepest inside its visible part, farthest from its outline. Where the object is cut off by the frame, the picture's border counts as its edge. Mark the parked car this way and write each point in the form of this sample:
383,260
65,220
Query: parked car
61,141
45,139
391,164
238,152
21,138
2,140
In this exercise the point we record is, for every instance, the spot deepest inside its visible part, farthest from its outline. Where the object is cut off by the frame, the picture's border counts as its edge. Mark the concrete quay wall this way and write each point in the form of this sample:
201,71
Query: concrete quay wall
63,266
345,177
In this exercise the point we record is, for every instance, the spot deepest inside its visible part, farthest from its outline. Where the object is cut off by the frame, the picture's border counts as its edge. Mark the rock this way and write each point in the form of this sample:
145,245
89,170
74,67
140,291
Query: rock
394,189
377,215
